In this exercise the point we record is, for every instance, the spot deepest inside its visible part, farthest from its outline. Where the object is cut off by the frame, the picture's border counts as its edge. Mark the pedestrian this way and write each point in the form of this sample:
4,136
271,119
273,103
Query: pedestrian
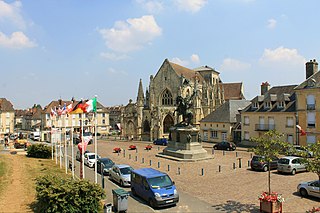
6,142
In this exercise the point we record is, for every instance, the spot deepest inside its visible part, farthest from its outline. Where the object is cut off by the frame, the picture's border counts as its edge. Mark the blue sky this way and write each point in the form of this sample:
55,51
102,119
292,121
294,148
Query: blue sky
53,49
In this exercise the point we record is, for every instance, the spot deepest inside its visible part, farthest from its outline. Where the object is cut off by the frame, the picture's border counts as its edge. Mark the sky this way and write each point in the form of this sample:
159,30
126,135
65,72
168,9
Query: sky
52,49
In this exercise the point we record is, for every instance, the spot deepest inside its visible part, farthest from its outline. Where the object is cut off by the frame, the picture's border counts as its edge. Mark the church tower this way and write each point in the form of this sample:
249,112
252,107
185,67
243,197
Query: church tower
140,104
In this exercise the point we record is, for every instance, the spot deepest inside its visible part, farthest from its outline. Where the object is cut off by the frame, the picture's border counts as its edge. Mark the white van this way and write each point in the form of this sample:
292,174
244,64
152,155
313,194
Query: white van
35,136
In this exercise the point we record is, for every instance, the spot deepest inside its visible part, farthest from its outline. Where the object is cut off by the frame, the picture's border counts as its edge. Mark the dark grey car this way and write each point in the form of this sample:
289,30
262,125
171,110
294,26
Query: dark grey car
105,164
259,163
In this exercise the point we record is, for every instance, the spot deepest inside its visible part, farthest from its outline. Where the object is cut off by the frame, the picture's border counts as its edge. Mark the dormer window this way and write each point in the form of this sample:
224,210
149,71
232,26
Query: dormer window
255,105
281,104
267,105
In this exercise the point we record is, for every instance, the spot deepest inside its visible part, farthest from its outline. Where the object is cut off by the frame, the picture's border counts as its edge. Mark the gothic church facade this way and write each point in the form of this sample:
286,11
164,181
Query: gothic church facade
153,113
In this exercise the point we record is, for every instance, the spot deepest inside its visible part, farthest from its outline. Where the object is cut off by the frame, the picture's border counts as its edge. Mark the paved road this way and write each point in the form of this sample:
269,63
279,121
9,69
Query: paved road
187,202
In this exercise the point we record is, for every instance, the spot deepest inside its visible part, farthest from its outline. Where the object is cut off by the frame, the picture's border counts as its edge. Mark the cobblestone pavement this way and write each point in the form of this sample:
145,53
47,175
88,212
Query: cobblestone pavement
218,181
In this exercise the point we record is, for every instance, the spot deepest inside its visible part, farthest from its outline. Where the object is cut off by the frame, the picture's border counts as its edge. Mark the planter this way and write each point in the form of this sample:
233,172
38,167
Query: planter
269,206
117,150
149,147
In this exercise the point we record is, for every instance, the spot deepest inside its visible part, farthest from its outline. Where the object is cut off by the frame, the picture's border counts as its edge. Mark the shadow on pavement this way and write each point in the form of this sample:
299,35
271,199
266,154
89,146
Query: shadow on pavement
234,206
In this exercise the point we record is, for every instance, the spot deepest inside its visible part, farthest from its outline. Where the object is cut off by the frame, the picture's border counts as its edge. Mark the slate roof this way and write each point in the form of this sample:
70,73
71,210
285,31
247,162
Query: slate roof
274,95
312,82
5,105
226,113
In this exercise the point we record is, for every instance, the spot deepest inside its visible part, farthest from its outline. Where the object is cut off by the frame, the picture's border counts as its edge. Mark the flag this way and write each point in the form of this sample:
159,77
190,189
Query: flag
53,112
302,132
64,109
69,108
91,105
59,111
79,108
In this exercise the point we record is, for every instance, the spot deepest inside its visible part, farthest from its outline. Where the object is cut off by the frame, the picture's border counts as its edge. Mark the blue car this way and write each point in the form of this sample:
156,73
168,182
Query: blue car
161,141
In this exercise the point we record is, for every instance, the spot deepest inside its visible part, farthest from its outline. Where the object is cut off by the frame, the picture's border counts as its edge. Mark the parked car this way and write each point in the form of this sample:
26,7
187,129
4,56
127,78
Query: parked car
121,174
311,188
259,163
161,141
106,163
78,155
225,145
301,151
90,159
291,164
154,186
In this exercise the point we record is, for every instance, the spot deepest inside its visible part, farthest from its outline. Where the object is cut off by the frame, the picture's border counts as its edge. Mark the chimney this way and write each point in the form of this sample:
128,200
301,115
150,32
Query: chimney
311,68
265,86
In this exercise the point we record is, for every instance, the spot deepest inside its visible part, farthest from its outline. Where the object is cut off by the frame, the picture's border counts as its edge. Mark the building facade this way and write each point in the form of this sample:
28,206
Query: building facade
153,113
223,123
6,116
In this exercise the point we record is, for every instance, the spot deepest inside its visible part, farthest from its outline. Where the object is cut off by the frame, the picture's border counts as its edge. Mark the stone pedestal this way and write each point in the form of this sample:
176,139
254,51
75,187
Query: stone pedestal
184,145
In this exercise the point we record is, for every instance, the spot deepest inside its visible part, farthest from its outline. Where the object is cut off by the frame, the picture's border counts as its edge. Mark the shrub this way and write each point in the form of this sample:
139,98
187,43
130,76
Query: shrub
39,151
56,194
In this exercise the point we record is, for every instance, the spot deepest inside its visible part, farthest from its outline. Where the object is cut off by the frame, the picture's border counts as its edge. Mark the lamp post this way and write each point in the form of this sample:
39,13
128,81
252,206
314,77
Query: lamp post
297,131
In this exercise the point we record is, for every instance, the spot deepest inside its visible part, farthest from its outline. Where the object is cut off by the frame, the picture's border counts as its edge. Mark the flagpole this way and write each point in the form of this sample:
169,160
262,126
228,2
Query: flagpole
65,144
51,137
95,147
83,173
60,139
55,140
72,151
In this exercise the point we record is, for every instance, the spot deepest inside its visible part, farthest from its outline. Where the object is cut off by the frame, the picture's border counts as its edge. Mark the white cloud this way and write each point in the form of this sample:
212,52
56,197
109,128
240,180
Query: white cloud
152,6
282,55
11,13
195,58
131,35
180,61
230,64
17,40
271,23
192,6
113,56
113,71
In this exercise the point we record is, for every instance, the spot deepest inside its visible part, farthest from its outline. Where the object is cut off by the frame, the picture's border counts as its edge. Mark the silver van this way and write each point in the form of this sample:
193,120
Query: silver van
291,164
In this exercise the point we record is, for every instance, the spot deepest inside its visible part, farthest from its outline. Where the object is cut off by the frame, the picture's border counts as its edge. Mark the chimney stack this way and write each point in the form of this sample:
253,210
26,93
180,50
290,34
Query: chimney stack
311,68
265,86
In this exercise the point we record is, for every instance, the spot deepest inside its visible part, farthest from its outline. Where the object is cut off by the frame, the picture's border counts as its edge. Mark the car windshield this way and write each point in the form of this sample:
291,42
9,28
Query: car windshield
283,161
126,170
160,182
92,156
258,158
107,161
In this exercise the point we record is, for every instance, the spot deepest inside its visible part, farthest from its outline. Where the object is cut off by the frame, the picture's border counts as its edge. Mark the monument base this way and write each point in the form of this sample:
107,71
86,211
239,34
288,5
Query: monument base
184,145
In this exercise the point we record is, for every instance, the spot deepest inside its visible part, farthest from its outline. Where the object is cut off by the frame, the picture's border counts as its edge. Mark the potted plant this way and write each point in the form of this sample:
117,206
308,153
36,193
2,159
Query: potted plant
270,146
148,147
132,147
117,149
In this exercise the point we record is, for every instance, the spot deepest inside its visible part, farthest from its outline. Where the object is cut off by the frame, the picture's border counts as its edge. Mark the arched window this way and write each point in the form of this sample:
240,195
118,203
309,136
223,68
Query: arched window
167,98
167,123
146,126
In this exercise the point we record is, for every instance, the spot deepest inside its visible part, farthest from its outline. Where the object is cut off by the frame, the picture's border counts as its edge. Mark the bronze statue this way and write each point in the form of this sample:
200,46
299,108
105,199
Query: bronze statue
183,106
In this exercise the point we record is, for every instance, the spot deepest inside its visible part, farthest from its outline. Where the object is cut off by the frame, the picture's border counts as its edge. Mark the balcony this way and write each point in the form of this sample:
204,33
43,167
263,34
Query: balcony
311,106
264,127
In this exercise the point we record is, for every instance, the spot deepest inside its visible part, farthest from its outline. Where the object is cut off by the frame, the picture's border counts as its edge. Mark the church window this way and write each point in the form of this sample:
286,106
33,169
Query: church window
167,98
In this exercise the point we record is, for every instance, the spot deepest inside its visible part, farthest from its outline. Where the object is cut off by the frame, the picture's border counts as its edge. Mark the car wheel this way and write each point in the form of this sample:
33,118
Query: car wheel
152,203
215,147
303,192
228,149
265,168
293,172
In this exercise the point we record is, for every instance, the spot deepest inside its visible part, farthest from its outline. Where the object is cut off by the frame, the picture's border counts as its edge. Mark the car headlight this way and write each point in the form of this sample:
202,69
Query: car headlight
175,192
157,195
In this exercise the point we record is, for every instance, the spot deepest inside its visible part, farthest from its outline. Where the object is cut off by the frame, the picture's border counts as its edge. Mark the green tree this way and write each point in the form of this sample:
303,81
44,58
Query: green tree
270,146
313,163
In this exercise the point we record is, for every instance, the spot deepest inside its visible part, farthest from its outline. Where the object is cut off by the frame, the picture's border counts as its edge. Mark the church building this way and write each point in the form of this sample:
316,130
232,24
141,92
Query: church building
153,113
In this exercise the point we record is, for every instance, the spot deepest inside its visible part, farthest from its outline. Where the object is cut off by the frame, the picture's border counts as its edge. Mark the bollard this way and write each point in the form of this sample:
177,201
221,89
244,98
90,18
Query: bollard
124,153
150,163
142,160
234,165
158,164
224,152
136,158
250,155
136,150
202,172
213,151
179,171
219,168
248,163
240,164
129,156
236,154
168,167
118,153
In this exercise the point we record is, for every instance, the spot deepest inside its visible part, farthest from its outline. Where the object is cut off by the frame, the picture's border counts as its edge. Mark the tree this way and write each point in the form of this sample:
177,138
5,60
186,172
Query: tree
270,146
313,163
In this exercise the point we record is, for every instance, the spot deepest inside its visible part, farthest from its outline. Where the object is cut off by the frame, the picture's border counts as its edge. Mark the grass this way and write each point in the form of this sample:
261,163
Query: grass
4,172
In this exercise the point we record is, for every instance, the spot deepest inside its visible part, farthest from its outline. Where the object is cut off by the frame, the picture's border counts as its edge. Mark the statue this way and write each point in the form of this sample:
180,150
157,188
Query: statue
183,106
